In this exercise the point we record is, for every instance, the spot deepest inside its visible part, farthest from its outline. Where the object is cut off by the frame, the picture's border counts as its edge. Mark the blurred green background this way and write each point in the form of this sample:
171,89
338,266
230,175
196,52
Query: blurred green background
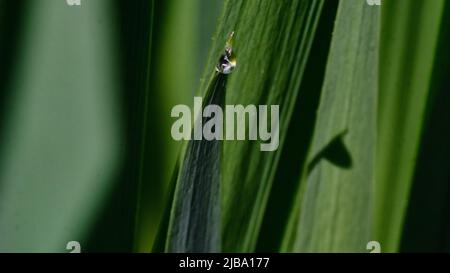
83,108
86,92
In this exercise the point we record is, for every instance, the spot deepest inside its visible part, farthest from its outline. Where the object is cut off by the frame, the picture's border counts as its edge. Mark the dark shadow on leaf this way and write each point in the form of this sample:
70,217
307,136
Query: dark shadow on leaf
335,152
298,137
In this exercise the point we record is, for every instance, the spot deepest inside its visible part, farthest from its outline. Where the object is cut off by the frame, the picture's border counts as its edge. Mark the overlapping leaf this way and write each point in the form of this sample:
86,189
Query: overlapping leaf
334,206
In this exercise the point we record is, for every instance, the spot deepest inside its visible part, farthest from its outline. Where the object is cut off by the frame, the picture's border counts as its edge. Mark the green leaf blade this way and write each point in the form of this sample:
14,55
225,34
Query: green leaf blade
334,204
409,39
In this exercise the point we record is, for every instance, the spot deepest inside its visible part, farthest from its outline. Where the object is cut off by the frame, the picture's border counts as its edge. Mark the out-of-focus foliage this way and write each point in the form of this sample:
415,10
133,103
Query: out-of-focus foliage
61,126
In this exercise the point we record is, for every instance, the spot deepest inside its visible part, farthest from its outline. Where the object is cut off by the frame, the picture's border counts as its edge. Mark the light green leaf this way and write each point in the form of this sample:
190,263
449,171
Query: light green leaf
334,204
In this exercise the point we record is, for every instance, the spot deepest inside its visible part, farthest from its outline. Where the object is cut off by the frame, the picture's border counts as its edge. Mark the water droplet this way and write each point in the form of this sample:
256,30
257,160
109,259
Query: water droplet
227,62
